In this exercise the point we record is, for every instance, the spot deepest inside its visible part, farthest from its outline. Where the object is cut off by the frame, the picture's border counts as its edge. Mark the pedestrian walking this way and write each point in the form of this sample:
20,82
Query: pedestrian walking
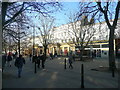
66,52
94,54
13,56
61,52
73,56
38,60
4,59
34,59
9,59
55,55
30,56
51,56
43,58
70,59
19,64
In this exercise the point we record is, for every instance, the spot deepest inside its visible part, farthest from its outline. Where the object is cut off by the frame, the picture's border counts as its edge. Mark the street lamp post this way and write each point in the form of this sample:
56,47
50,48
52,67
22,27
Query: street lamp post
19,40
35,71
33,41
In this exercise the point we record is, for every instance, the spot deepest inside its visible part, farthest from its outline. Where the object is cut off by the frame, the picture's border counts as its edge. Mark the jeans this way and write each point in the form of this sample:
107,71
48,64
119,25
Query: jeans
8,63
30,58
43,64
19,71
70,65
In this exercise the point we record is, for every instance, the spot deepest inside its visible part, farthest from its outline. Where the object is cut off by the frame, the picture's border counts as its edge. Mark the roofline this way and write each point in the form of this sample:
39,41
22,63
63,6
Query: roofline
94,23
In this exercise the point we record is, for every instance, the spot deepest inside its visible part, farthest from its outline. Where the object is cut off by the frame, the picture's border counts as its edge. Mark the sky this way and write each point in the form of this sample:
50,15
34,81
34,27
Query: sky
73,7
62,16
67,8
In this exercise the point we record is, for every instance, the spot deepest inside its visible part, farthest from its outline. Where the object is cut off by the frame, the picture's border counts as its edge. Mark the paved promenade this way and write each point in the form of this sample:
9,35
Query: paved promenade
55,76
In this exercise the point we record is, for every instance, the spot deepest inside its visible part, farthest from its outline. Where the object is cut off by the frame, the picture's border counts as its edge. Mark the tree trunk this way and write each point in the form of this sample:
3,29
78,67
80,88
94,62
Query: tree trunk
111,49
81,54
45,52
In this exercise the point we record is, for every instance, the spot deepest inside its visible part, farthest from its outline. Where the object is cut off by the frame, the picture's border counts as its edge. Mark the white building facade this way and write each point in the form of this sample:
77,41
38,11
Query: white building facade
61,38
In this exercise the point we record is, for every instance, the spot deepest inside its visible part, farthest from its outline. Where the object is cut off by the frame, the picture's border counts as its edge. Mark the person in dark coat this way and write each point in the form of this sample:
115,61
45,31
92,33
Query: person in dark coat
55,55
51,56
19,64
30,57
13,56
9,59
38,61
34,59
43,58
70,59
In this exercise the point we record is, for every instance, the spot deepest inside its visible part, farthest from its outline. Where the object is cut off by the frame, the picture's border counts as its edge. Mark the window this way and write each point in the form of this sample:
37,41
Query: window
65,40
94,38
100,37
106,36
59,34
105,45
65,33
88,46
96,46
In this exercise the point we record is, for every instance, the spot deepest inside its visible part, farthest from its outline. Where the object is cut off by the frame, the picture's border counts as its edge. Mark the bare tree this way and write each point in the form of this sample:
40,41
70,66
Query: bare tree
45,27
81,32
11,10
104,10
16,30
26,7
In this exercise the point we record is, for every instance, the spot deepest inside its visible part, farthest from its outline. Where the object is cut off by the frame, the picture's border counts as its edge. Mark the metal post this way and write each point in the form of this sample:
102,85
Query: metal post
65,64
35,71
33,40
19,46
82,76
113,70
35,67
19,40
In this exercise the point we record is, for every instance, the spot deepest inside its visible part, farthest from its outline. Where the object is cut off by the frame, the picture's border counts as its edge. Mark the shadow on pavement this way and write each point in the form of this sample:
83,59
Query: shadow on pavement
104,69
8,76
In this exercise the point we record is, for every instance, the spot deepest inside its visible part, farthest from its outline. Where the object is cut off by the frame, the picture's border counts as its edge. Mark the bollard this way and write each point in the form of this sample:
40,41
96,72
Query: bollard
113,72
82,76
113,69
65,64
35,68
